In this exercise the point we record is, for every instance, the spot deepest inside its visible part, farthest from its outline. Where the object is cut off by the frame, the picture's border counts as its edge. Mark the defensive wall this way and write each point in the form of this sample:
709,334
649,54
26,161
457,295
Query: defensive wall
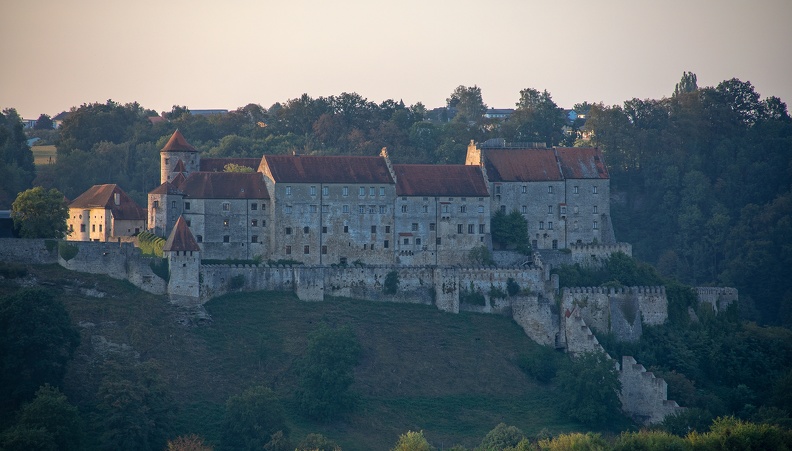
28,251
583,254
643,396
720,298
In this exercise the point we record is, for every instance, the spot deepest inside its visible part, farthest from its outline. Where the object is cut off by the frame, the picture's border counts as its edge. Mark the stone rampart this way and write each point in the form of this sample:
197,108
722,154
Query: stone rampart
492,283
643,396
579,338
28,251
582,254
538,316
720,298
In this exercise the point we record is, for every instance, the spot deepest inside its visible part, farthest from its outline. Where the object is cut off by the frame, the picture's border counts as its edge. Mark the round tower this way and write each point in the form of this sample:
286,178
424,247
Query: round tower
178,156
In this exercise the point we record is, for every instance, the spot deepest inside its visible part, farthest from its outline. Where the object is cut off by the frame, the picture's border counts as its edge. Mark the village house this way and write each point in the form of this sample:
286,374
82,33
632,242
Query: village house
104,213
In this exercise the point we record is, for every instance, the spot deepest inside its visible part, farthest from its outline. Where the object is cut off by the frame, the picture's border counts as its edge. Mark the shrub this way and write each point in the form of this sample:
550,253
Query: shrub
252,418
496,293
541,364
391,285
589,386
67,251
512,287
236,282
501,436
12,270
472,296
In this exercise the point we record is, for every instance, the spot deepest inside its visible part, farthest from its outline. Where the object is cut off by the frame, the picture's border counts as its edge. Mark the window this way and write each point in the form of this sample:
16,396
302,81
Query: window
523,189
371,191
497,189
404,209
550,189
382,191
324,250
173,204
288,230
481,209
576,209
446,208
541,225
463,208
575,189
263,223
594,189
361,191
563,209
325,191
345,208
199,238
414,227
306,250
254,206
550,225
471,228
549,209
306,229
534,244
372,209
373,229
287,209
225,222
481,228
345,191
71,227
406,241
425,208
254,239
503,209
417,241
189,223
325,209
459,228
288,250
595,209
383,209
346,229
342,260
226,206
288,190
313,191
226,239
438,241
595,225
524,209
314,209
361,209
324,229
156,204
167,160
82,227
186,205
555,244
385,244
431,226
387,229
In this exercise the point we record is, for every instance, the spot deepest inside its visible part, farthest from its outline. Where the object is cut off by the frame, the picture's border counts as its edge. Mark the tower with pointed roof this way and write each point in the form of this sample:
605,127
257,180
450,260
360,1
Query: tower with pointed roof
184,262
178,157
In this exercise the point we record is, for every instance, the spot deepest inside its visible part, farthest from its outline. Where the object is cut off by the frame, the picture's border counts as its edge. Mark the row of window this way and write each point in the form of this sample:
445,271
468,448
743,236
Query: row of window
594,225
444,208
550,189
372,191
307,249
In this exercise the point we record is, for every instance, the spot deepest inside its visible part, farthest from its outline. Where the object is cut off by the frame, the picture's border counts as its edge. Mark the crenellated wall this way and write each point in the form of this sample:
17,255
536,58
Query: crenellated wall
720,298
643,396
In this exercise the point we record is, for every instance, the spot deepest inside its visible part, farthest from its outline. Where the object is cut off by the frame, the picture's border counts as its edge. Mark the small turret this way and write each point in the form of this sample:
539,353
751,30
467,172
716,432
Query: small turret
178,157
184,262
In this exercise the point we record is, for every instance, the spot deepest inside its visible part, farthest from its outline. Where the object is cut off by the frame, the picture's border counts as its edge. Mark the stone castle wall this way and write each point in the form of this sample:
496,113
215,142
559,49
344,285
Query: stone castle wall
643,396
720,298
28,251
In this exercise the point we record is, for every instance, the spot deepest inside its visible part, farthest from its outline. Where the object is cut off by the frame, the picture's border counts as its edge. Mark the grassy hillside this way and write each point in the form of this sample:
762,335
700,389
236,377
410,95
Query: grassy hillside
453,376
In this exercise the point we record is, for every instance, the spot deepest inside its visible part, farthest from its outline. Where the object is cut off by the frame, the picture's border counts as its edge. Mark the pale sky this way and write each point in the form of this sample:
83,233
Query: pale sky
225,54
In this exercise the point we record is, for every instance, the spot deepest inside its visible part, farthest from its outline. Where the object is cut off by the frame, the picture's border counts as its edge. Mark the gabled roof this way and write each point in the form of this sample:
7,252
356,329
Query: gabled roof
439,180
103,196
166,188
581,163
218,164
224,185
521,165
177,143
326,169
181,239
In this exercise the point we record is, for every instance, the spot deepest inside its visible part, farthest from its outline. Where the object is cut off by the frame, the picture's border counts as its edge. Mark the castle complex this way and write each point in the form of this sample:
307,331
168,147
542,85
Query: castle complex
340,226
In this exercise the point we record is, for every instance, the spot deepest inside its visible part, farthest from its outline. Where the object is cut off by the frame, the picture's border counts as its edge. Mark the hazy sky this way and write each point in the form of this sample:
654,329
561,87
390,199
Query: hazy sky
226,54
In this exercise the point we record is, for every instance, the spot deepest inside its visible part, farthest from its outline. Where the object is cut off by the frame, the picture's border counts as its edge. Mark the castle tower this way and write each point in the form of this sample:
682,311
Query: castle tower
184,261
178,157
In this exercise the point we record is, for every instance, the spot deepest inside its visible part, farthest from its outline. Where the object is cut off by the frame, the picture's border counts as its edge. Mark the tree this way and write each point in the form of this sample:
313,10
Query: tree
44,122
537,119
52,412
326,372
137,411
413,441
590,389
468,103
317,442
500,437
252,418
38,213
686,84
510,231
17,168
191,442
37,339
232,167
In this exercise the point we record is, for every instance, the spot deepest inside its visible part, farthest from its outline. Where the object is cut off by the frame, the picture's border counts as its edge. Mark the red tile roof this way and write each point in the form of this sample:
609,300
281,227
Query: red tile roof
181,239
439,180
218,164
326,169
177,143
103,196
581,163
224,185
521,165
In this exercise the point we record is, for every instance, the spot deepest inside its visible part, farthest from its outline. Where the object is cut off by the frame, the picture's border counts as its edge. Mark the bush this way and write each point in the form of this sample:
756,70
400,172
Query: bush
236,282
413,441
252,418
574,441
67,251
12,270
472,296
512,287
648,440
391,285
541,364
589,388
501,436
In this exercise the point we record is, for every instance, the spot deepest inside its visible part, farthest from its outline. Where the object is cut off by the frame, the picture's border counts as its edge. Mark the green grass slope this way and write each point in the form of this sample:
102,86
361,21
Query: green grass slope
453,376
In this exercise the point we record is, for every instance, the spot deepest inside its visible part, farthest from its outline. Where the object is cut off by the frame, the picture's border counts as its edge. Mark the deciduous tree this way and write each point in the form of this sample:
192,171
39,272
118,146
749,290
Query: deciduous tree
38,213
